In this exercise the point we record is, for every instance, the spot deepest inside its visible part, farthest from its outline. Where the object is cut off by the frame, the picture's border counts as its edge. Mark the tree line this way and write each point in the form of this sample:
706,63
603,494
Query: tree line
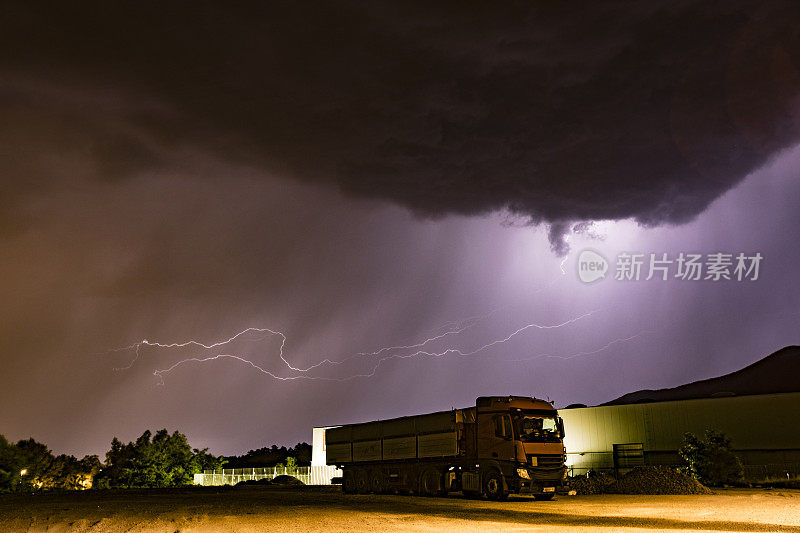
297,455
153,460
29,465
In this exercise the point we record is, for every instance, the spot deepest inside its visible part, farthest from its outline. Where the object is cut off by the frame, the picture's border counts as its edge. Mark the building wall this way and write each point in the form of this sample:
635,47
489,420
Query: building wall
318,446
764,429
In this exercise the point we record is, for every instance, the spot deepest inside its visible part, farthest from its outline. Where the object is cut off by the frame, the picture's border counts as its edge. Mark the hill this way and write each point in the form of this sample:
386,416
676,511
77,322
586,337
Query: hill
777,372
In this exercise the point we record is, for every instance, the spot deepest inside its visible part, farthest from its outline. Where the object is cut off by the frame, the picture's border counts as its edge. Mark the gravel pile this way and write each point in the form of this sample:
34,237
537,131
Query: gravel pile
642,480
594,483
656,480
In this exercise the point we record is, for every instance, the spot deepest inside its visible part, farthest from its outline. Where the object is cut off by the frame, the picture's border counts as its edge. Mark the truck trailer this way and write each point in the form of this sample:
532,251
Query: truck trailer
504,445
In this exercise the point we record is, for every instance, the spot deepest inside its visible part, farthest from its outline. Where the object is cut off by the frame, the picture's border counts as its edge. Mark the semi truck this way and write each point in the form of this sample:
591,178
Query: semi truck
504,445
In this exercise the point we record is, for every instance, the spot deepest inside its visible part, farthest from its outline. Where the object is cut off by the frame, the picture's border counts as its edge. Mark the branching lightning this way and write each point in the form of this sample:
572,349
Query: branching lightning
137,346
383,355
581,353
377,357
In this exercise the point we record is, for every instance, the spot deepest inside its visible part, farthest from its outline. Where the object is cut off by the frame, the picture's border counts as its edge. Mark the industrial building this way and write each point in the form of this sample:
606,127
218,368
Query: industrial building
764,430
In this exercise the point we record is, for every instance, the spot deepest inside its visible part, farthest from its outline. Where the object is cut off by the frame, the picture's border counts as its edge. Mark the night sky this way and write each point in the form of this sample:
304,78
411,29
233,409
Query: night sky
360,177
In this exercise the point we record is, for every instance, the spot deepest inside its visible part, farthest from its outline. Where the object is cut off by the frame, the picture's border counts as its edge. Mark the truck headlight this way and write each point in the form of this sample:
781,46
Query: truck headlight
521,472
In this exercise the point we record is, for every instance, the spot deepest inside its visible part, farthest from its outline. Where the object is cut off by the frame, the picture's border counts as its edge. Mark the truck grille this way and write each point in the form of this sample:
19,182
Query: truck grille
549,461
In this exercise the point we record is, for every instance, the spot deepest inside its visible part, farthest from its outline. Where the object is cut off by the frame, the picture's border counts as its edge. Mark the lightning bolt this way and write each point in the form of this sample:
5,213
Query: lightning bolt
303,372
465,324
582,353
137,346
460,353
391,348
383,354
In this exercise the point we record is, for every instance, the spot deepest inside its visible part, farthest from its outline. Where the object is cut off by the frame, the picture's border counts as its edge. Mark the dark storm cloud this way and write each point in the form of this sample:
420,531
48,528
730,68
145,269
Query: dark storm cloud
168,171
556,112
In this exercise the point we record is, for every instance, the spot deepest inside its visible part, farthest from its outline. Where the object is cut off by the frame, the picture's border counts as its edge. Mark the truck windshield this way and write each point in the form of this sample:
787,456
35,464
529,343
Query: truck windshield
531,428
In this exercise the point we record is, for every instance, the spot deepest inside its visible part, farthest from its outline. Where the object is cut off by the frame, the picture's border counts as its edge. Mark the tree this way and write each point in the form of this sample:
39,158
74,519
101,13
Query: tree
302,451
68,473
206,461
30,465
38,463
10,466
710,460
160,460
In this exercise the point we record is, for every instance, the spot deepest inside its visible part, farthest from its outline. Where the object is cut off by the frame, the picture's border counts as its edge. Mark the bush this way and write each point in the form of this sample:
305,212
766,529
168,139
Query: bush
711,460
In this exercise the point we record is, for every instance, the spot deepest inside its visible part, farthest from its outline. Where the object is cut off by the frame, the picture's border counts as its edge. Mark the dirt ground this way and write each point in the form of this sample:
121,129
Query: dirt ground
326,509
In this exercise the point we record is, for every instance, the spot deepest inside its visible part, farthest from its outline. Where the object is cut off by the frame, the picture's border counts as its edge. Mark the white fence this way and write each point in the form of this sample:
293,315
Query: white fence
310,475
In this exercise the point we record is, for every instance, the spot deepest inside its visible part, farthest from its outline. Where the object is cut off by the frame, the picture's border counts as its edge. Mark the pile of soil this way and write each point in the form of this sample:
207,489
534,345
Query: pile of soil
286,480
277,480
656,480
641,480
593,483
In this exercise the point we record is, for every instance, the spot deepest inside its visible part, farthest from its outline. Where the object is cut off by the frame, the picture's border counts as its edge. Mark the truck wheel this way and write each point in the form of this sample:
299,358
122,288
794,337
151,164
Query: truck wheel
376,482
362,481
493,486
430,483
349,482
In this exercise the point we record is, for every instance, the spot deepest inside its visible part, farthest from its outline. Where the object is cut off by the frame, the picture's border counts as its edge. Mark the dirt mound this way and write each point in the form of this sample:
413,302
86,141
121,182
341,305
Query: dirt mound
286,480
656,480
277,480
592,483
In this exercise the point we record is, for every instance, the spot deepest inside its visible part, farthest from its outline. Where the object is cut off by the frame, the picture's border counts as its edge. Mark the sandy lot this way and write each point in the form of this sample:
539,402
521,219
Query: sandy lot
326,509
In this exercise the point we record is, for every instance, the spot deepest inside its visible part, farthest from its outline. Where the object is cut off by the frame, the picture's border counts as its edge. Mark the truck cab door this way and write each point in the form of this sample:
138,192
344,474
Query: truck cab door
496,437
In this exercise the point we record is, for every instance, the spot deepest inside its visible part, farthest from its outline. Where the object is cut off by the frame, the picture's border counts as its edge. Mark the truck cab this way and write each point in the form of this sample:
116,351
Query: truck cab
520,440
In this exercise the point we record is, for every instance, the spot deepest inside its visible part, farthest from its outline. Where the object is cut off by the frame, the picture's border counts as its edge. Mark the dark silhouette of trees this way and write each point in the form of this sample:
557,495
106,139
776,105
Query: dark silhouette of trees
153,460
29,465
271,456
